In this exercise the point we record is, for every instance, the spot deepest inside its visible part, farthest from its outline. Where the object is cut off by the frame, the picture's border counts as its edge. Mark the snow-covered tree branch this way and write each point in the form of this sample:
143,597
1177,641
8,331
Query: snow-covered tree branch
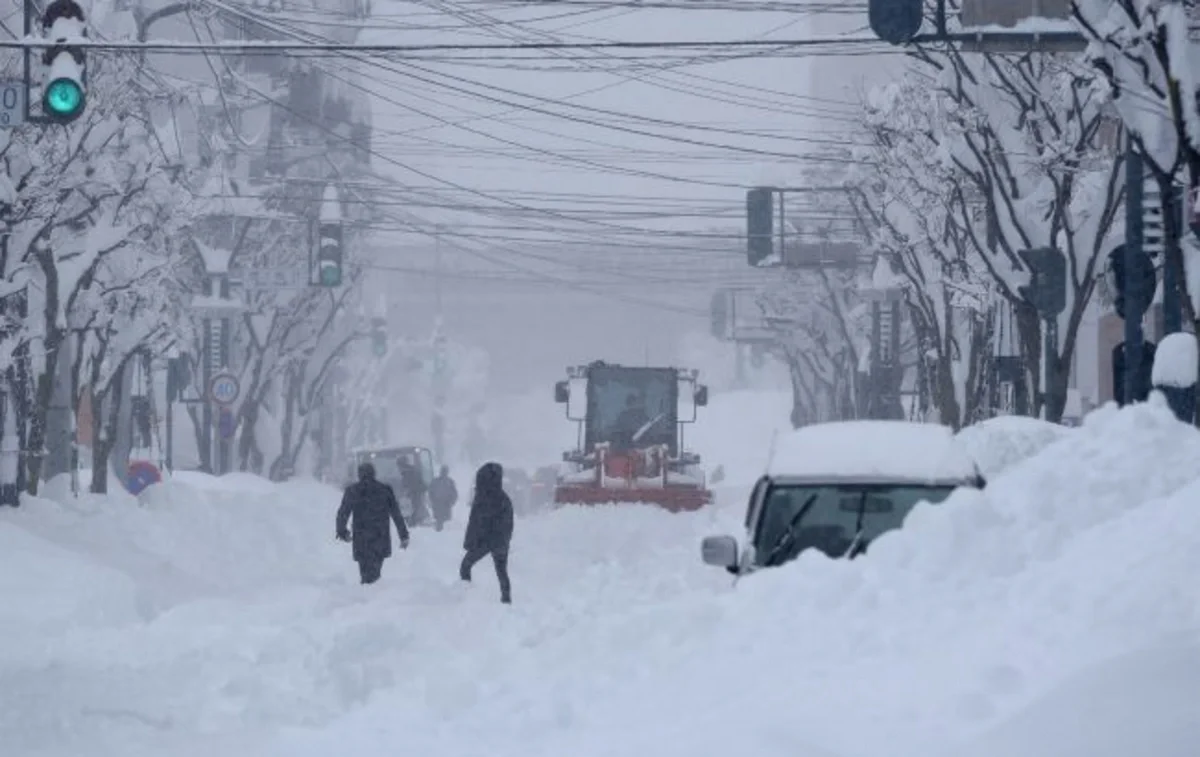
1144,51
1008,153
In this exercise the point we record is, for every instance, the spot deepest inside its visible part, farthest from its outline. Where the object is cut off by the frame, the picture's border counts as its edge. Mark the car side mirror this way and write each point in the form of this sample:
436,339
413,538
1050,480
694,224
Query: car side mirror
701,396
721,551
562,392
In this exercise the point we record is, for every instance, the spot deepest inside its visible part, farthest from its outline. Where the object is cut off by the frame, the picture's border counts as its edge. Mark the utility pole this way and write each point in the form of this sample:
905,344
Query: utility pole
438,420
1135,299
437,270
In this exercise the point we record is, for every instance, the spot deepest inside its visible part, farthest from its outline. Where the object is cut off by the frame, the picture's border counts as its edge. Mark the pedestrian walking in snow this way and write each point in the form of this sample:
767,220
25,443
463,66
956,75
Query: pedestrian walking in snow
443,494
366,507
490,527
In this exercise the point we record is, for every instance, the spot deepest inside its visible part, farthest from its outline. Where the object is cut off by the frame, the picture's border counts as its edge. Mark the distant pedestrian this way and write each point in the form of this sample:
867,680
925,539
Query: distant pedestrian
366,507
443,494
489,527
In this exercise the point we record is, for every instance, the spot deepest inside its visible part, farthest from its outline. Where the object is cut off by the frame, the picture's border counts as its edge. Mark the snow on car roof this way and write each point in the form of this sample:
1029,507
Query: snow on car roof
874,450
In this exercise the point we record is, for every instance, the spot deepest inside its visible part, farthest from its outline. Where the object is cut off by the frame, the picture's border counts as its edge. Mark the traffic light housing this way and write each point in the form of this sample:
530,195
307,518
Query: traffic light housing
330,256
379,342
895,21
1145,373
1047,287
64,87
760,225
1143,276
179,377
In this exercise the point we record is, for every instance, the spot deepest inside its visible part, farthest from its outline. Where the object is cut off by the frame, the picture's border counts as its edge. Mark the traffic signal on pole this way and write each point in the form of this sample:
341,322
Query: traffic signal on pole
895,21
329,255
1142,386
178,377
379,344
1047,287
1142,276
64,87
760,225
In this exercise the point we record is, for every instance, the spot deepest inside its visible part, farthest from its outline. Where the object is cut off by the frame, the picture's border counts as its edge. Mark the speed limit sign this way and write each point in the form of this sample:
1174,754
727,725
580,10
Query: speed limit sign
224,389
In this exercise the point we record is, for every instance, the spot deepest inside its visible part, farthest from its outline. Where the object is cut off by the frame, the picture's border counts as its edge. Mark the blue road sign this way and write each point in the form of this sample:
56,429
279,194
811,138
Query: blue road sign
142,473
225,423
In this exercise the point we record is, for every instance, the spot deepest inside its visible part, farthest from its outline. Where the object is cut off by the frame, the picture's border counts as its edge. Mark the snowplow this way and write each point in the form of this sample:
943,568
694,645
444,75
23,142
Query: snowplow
630,437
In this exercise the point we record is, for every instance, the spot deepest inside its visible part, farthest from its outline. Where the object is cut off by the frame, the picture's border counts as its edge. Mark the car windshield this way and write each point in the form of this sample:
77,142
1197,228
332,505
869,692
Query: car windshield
834,519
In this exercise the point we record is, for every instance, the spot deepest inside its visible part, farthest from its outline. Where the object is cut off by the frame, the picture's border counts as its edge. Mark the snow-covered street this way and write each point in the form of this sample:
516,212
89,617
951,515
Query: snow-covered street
823,375
1053,614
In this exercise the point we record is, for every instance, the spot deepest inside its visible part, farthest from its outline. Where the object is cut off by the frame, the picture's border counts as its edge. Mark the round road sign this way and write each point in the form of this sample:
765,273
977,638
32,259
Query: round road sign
141,474
224,389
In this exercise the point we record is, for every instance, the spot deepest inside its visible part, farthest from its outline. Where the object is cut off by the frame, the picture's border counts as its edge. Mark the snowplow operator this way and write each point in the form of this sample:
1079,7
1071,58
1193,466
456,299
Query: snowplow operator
629,422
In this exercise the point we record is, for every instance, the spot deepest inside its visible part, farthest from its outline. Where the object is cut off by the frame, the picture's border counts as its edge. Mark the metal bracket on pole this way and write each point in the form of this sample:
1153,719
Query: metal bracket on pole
27,68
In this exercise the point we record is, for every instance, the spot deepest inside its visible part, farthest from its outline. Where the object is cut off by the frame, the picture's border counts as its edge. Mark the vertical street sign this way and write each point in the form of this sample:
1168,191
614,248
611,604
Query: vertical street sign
12,104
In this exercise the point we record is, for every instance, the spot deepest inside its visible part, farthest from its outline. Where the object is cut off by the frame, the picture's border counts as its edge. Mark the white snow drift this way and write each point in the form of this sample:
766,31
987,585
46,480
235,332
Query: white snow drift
1053,613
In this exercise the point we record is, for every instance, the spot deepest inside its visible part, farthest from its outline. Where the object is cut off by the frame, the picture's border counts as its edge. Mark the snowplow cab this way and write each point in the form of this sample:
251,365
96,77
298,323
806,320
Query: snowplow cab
631,445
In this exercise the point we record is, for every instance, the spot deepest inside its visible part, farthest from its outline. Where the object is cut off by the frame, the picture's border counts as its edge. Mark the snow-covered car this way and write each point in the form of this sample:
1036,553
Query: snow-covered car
838,486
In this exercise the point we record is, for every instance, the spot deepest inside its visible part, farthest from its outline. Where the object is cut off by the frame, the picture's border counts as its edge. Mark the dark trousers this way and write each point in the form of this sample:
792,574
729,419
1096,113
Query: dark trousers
499,559
370,570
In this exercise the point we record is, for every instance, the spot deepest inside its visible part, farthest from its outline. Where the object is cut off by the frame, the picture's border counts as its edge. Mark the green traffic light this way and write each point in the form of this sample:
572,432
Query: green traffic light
380,348
331,275
63,99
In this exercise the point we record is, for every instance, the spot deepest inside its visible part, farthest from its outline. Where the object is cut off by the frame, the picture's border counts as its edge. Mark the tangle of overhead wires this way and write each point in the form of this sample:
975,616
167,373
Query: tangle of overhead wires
612,226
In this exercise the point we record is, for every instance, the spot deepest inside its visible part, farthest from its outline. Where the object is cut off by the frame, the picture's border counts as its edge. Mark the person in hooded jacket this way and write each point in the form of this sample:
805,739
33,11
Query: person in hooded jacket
366,506
490,527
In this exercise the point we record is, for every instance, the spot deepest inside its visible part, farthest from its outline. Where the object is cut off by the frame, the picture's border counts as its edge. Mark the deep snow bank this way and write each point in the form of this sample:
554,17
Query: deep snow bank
994,604
979,607
999,443
192,536
964,634
249,618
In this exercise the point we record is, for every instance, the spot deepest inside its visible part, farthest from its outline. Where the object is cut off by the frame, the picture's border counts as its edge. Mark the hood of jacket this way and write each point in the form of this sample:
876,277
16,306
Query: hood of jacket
489,478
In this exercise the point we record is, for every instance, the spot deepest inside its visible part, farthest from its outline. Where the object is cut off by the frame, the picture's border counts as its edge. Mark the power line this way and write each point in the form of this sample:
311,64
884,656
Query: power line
261,47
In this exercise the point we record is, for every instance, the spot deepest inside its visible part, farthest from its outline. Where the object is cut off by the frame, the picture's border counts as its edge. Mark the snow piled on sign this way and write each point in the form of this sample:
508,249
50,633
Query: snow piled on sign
224,619
1175,361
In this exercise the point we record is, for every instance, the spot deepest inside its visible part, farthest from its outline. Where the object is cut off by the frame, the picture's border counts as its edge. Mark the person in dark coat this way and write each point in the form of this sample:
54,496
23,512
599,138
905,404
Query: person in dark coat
490,527
443,494
367,505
